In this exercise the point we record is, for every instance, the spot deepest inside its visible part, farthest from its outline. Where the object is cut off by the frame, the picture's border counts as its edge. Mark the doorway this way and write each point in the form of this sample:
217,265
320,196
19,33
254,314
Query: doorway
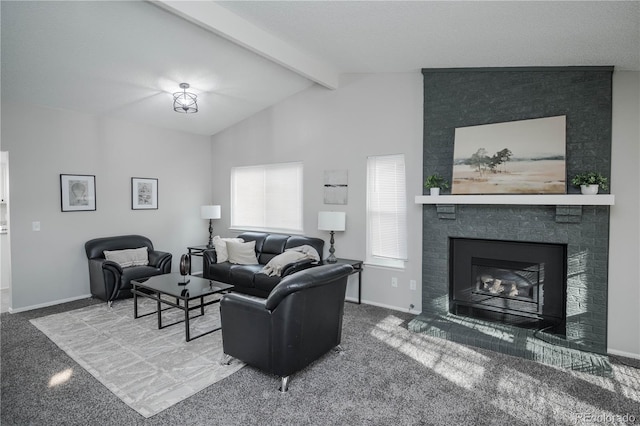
5,238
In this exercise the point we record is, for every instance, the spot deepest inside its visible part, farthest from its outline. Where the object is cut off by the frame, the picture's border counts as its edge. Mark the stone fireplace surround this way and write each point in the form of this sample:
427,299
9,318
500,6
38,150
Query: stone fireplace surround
464,97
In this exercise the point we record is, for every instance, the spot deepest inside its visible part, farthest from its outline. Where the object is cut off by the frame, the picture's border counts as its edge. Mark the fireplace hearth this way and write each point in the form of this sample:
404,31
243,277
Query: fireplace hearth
516,283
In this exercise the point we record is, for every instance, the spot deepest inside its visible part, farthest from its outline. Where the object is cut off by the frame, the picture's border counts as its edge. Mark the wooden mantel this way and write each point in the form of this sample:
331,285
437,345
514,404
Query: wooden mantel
533,199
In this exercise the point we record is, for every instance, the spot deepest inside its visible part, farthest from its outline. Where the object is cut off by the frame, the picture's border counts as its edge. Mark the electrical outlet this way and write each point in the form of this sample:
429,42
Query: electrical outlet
394,282
35,226
412,285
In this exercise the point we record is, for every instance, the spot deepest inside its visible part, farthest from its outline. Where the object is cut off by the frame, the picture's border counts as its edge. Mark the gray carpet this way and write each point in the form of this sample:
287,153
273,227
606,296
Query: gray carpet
386,375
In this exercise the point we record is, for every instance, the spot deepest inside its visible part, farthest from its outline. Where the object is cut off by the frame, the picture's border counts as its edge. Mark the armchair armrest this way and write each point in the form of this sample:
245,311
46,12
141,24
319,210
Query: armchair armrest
104,278
246,325
111,266
157,257
297,266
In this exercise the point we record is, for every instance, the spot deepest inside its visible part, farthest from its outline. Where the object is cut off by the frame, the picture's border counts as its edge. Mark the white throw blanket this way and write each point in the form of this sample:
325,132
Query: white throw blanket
294,254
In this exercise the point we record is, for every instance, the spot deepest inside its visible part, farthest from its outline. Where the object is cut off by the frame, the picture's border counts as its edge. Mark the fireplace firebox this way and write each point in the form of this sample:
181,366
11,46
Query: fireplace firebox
518,283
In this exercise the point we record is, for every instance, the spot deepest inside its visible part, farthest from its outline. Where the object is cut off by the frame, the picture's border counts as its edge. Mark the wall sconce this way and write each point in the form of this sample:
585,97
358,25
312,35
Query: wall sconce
332,221
210,212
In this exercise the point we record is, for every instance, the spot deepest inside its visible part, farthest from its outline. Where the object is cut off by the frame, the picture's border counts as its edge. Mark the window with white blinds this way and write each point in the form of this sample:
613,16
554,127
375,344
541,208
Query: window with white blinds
267,197
386,211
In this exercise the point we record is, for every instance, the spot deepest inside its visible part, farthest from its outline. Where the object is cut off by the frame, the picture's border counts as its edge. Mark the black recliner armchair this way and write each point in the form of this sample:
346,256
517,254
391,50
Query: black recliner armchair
110,281
300,321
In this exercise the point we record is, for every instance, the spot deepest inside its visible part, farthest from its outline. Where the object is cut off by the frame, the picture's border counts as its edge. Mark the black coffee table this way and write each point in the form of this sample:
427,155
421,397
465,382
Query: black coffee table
168,285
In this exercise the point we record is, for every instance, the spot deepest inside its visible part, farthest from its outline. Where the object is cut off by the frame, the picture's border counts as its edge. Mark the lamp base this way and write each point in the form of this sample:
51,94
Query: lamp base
210,243
332,257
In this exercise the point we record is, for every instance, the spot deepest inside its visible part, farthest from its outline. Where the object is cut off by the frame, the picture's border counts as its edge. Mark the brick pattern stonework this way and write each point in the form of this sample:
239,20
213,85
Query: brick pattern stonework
458,98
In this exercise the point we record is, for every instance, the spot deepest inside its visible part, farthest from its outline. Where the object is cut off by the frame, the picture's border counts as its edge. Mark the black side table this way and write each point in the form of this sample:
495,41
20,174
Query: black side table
357,268
196,251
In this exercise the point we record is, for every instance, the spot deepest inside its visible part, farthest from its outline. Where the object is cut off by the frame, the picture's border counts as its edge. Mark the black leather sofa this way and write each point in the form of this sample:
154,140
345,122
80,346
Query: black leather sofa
246,278
107,279
300,321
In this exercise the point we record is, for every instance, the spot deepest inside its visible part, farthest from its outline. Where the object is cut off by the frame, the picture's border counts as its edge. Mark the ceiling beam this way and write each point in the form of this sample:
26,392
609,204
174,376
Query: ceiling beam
226,24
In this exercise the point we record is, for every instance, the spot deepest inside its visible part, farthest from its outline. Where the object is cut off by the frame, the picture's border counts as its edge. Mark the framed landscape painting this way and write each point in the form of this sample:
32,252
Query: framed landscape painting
77,193
517,157
144,193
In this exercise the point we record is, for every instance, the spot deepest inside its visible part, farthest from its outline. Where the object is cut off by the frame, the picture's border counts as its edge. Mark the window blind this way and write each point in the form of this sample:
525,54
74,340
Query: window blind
386,210
267,197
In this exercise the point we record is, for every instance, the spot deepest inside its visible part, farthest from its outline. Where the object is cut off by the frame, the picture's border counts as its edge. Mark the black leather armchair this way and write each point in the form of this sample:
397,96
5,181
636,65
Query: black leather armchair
108,280
299,322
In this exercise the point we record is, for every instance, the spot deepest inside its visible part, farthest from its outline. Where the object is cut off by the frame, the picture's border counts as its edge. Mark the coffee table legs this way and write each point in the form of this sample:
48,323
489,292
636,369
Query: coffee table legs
157,296
186,319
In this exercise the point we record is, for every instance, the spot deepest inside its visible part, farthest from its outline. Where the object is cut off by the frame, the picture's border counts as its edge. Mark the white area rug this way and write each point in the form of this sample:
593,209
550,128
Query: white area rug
149,369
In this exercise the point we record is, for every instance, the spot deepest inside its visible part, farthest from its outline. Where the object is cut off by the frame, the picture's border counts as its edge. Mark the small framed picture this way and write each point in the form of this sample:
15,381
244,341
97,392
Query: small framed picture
77,193
144,193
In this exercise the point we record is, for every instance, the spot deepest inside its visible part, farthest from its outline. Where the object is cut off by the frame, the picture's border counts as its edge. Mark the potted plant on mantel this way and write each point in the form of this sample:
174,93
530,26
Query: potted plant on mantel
435,182
589,182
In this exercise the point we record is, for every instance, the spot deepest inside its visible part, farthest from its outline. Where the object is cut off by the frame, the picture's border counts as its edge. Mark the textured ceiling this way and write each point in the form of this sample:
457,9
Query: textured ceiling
123,59
398,36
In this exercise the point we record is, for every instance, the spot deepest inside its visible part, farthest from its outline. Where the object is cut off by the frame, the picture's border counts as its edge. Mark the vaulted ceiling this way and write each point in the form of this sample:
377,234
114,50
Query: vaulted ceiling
124,59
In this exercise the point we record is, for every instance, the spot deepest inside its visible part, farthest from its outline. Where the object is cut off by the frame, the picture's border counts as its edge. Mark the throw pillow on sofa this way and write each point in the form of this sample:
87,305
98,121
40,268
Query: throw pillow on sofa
220,245
128,257
242,253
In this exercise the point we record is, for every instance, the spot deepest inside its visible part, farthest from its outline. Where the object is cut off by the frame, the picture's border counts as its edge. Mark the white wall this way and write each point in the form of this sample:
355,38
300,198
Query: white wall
370,114
624,253
50,265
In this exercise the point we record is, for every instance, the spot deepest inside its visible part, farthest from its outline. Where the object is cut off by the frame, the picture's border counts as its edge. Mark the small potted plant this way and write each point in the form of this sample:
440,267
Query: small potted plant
589,182
434,183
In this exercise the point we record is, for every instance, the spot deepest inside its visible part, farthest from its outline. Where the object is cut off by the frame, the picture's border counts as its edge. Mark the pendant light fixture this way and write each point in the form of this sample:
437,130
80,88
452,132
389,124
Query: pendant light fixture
185,102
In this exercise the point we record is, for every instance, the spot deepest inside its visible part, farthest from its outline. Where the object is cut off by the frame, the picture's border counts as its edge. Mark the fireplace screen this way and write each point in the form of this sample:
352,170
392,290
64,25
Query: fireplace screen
497,280
500,279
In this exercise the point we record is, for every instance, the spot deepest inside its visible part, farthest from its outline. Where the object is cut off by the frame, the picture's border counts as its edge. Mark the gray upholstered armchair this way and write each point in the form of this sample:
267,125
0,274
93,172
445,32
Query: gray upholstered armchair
300,321
110,280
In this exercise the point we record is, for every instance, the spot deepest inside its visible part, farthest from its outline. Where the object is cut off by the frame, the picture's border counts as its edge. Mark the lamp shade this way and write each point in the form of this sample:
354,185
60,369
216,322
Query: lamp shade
332,221
210,212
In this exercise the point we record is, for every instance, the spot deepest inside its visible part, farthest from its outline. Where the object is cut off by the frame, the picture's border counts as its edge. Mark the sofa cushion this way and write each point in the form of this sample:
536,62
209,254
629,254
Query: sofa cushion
273,245
128,257
258,237
219,272
298,240
243,275
220,244
265,283
242,253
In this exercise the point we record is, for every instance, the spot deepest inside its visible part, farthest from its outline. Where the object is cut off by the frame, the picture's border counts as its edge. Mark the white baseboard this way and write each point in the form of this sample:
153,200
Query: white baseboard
44,305
623,353
382,305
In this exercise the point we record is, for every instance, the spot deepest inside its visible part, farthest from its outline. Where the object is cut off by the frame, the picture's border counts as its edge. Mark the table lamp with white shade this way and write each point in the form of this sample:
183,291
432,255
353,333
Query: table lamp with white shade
210,212
332,222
